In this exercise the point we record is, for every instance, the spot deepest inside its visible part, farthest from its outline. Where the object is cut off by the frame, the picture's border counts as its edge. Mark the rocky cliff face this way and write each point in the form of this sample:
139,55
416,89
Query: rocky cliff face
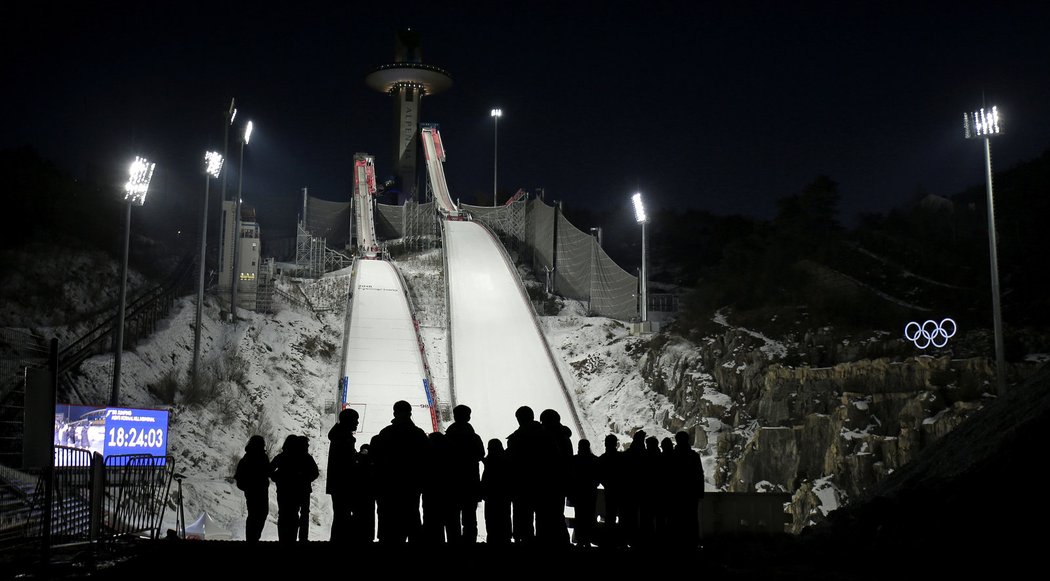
825,434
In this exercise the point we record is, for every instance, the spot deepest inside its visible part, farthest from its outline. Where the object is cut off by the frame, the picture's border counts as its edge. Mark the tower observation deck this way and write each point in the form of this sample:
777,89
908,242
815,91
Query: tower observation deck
407,80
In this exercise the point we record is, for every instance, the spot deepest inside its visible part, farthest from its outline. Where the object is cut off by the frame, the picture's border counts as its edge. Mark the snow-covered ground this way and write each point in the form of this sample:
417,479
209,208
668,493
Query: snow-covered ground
277,374
499,359
273,375
382,359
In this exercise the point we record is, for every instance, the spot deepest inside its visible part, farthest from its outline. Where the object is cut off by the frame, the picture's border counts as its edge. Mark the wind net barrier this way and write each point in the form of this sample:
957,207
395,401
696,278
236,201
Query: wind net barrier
328,220
410,220
582,270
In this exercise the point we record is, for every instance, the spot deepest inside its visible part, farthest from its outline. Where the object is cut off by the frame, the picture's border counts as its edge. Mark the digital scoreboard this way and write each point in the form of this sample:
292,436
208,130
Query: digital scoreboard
112,432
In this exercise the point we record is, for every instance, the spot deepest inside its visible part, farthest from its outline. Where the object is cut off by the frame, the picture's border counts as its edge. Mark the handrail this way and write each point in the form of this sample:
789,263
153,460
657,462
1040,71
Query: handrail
83,347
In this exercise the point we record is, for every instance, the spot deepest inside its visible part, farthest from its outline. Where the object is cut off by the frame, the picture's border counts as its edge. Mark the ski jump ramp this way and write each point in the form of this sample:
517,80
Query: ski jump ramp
500,360
382,354
383,358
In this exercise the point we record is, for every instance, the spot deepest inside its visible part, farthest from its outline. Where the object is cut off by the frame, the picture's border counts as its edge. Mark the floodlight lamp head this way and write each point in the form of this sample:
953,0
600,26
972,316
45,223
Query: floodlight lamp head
139,175
233,114
213,163
496,113
639,209
982,124
247,132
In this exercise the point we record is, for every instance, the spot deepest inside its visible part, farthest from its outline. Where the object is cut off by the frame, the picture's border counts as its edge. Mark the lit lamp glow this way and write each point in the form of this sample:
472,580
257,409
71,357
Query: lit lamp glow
495,114
983,124
212,167
140,173
234,273
641,217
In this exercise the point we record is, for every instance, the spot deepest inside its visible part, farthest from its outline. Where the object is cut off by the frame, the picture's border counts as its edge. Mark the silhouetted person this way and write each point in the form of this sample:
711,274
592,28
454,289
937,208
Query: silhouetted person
466,452
399,453
304,500
634,467
438,512
292,470
688,491
253,477
525,452
610,474
554,480
365,496
664,506
344,476
496,490
649,513
583,492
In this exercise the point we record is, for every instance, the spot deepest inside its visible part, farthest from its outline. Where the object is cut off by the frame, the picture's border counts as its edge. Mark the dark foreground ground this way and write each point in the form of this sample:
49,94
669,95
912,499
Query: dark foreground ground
723,559
972,506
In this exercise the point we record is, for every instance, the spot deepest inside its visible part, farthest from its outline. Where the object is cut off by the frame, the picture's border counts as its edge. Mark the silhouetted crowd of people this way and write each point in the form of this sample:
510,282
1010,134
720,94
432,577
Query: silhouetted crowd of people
651,490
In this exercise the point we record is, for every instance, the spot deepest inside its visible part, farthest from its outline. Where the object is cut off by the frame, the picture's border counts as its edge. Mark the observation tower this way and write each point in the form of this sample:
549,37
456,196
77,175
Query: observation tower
407,80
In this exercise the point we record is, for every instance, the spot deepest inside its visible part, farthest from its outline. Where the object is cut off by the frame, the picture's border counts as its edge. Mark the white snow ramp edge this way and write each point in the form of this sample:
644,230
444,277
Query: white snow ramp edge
500,359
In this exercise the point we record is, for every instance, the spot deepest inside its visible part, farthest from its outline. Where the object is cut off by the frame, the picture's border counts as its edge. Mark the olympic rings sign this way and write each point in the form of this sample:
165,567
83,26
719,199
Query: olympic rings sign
930,333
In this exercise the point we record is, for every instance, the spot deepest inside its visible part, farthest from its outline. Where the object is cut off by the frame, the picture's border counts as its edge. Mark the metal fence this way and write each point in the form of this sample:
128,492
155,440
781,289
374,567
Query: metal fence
136,493
90,499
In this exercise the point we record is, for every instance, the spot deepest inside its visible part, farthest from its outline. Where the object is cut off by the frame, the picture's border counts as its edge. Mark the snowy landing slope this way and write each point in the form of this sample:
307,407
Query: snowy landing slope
499,357
382,357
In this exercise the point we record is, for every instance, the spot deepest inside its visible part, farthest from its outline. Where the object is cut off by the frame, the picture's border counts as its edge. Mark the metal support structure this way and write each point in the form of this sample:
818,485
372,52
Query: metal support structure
118,344
643,280
984,124
234,275
997,313
496,114
200,282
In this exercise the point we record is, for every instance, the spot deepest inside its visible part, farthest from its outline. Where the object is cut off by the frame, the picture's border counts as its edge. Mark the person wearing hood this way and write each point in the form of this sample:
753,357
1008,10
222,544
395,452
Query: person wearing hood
253,477
343,474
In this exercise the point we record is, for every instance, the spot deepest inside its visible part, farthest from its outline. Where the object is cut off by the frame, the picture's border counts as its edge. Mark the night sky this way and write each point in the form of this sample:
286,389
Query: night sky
716,106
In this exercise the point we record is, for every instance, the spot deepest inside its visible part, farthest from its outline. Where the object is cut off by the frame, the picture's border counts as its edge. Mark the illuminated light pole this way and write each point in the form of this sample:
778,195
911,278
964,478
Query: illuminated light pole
983,124
495,114
234,275
212,167
139,175
643,219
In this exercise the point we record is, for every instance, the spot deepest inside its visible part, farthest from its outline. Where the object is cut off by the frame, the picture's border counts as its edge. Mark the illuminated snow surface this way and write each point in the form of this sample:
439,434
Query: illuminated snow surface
292,360
499,359
382,356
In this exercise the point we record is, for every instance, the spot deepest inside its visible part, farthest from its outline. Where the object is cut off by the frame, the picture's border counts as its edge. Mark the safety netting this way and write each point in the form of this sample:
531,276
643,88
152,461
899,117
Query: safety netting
582,270
405,221
328,220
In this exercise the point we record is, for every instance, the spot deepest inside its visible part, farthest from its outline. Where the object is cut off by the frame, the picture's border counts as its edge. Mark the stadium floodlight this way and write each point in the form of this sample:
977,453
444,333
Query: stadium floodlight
639,209
139,175
495,114
233,112
984,124
643,284
234,274
212,167
213,163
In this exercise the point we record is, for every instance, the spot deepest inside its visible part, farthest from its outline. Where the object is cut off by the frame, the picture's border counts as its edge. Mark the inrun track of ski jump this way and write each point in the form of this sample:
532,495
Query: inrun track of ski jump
499,357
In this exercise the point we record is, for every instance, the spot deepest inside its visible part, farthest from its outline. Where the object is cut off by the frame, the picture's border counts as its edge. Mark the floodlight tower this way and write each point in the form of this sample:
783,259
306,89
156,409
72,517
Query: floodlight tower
641,217
234,275
984,124
212,167
139,175
495,114
407,80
